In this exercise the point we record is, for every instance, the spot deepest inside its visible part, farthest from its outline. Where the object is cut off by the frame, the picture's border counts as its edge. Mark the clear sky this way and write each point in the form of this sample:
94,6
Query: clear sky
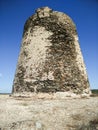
14,13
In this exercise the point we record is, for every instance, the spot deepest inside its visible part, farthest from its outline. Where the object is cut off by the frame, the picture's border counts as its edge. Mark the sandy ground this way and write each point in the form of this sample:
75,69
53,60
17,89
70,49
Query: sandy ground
29,113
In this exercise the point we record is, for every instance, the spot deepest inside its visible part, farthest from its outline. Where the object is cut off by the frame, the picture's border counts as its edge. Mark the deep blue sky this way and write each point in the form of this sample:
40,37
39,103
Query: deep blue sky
13,14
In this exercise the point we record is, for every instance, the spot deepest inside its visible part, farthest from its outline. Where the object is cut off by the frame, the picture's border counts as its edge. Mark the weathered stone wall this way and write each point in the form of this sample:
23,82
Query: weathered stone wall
50,59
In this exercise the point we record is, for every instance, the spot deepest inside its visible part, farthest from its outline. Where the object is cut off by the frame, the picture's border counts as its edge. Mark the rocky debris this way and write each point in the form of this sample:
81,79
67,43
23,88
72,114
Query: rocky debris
50,59
27,113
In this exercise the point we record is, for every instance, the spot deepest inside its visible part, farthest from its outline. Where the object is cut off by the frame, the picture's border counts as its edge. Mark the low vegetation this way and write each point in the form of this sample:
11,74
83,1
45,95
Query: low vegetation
94,92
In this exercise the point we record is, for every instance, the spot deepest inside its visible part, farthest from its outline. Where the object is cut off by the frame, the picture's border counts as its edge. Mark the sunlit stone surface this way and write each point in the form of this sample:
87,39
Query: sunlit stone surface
50,58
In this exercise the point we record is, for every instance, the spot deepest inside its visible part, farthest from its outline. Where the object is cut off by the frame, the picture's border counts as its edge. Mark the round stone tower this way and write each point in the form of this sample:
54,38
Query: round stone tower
50,58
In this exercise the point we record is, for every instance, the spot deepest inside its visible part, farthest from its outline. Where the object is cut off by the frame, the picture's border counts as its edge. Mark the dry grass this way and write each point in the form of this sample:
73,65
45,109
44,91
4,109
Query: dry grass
49,114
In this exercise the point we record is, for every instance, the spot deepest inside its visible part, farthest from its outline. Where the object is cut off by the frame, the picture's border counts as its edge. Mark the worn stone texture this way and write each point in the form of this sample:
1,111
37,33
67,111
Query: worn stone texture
50,58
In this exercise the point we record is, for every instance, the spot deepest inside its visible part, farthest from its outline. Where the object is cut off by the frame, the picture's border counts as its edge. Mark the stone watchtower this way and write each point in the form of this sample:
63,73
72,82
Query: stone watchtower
50,58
